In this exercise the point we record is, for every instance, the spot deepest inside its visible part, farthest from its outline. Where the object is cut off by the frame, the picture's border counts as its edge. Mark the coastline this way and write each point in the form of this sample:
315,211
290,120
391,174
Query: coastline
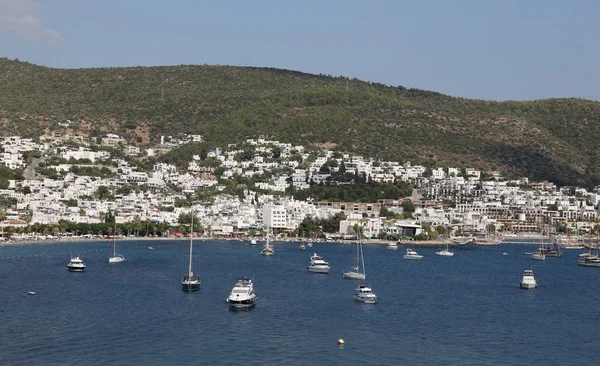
512,239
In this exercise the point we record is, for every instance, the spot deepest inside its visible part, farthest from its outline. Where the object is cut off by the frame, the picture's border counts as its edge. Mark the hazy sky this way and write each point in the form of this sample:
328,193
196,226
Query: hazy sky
503,49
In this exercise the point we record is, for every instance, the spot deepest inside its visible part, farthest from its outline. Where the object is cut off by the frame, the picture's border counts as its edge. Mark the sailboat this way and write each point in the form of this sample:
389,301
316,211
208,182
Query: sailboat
445,252
114,257
267,248
539,255
355,272
190,282
590,259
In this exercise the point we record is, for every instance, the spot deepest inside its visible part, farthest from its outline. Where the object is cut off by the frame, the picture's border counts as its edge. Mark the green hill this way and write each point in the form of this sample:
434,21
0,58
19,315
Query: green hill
544,139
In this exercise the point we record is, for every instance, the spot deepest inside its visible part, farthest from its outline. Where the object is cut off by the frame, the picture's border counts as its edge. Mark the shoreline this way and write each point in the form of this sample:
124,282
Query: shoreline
406,243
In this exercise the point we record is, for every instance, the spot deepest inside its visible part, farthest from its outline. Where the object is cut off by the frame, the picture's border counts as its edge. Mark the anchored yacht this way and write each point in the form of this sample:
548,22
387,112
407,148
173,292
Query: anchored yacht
76,265
528,281
411,254
318,265
242,295
365,294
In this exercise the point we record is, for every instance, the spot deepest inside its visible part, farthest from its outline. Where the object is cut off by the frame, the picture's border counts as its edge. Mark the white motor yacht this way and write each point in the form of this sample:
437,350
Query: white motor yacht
411,254
242,295
76,265
528,281
392,246
318,265
445,252
365,294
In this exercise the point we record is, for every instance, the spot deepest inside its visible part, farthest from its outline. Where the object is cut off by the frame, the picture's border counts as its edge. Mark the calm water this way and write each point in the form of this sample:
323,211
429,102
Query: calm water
467,309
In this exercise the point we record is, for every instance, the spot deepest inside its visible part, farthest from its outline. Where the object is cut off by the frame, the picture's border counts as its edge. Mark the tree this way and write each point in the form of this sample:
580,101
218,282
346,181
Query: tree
408,206
109,218
186,219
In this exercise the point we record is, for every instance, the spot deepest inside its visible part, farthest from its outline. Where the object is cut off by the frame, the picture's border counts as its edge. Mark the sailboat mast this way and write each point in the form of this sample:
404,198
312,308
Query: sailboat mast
191,243
114,240
362,259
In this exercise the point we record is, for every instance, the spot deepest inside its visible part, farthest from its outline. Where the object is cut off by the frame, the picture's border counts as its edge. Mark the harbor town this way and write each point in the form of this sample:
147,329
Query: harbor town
73,187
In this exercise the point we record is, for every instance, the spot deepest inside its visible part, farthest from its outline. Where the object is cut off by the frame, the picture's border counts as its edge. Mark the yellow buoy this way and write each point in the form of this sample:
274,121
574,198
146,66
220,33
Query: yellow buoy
341,342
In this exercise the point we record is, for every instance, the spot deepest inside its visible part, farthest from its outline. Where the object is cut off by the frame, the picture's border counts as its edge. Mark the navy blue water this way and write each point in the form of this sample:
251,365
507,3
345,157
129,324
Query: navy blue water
467,309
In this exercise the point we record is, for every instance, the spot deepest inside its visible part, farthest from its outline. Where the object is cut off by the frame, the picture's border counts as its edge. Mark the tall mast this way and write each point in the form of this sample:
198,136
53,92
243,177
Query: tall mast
362,258
190,274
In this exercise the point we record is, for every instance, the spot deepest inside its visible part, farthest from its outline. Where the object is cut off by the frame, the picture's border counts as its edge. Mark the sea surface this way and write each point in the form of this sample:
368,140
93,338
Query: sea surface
461,310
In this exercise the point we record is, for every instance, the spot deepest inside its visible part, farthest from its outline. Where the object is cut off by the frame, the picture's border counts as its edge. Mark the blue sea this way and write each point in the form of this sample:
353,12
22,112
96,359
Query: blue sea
461,310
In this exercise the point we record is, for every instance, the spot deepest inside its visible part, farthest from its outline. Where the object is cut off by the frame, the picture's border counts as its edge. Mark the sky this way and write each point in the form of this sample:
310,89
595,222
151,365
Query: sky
494,50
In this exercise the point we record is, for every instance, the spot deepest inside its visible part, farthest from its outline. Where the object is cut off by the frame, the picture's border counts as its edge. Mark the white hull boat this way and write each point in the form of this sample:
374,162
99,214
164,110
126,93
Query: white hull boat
318,265
411,254
76,265
355,272
528,281
242,295
392,246
444,252
365,294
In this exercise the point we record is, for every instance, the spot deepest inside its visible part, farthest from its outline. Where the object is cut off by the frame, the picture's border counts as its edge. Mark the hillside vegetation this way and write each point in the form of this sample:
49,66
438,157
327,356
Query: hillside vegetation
544,139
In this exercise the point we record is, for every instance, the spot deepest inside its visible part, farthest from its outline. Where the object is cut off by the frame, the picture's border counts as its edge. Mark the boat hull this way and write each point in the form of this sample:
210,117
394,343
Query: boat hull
190,284
242,304
76,269
116,260
445,254
318,269
354,276
588,263
366,299
538,257
393,247
528,285
190,287
413,257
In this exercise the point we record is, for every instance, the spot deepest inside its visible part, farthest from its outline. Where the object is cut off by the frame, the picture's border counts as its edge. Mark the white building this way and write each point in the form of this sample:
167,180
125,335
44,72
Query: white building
274,217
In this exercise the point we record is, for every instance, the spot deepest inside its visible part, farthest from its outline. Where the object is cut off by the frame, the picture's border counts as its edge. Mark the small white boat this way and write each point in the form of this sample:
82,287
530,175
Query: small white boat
253,242
150,248
309,245
411,254
528,281
31,292
444,252
392,246
242,295
318,265
76,265
365,294
302,246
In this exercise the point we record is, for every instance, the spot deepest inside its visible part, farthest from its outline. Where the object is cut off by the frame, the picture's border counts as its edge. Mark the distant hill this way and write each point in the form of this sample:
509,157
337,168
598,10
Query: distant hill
551,139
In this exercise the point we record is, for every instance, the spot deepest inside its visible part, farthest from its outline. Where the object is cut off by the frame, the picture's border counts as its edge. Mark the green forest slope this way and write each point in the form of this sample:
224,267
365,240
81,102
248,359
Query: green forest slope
545,139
